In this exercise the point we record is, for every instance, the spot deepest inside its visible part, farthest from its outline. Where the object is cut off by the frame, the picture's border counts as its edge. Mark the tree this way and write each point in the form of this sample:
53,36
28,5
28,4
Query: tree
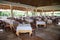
0,13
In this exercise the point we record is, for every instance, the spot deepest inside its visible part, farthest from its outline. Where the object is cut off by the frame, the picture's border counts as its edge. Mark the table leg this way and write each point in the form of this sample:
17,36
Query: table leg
44,25
30,33
17,33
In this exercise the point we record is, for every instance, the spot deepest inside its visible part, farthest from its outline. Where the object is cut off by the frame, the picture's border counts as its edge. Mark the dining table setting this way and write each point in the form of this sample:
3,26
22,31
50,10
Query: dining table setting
23,28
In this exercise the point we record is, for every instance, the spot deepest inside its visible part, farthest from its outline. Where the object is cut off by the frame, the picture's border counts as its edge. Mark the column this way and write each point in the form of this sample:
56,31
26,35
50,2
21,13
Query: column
12,15
26,11
42,13
32,11
53,13
35,12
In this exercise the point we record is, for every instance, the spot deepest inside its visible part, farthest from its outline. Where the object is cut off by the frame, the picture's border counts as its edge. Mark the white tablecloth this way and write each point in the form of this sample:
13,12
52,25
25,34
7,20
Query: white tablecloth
29,20
58,23
40,22
23,27
49,21
8,21
1,19
1,30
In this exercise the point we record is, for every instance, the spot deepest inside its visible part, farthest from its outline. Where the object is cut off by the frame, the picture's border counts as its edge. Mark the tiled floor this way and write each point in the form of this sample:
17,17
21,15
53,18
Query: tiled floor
52,32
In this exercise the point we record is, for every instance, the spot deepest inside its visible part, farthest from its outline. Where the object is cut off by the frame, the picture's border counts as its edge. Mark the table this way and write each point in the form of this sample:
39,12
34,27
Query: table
29,20
40,23
49,21
8,21
1,30
23,28
58,23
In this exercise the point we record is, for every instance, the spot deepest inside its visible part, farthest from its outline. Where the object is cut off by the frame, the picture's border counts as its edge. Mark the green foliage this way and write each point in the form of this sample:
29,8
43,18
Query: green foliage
57,14
4,13
22,13
0,13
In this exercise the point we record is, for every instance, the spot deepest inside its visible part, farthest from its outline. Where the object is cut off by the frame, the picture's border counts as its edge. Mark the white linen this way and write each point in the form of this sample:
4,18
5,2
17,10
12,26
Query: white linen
37,18
58,23
23,27
49,21
2,19
29,20
40,22
1,30
8,21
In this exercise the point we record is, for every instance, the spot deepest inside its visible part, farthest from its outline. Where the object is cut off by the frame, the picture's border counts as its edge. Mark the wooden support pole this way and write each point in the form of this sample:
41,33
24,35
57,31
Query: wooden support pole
12,15
42,12
36,12
33,12
53,13
26,11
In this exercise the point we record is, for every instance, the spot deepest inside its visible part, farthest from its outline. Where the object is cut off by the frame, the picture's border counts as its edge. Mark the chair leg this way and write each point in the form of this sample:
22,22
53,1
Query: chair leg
33,34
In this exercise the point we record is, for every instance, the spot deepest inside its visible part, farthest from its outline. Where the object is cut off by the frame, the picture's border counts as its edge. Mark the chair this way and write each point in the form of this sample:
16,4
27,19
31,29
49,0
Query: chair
49,21
33,25
15,24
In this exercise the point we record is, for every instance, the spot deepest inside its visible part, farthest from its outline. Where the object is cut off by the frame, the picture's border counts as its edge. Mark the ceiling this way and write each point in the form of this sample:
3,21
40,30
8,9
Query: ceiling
45,5
2,6
37,3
